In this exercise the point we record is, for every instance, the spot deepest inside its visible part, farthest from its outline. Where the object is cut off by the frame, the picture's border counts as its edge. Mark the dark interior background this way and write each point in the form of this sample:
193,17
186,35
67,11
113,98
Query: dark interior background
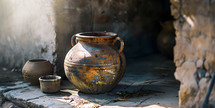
137,22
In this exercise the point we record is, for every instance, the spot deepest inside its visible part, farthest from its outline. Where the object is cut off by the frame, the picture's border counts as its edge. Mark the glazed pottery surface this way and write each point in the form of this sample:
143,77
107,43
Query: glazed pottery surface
94,64
50,83
35,68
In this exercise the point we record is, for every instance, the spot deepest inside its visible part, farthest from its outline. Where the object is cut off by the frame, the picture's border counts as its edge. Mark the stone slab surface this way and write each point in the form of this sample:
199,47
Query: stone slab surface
148,83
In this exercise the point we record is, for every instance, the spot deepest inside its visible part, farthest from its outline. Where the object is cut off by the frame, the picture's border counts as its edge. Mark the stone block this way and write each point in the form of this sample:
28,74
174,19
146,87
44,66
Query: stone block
48,102
8,104
33,97
199,63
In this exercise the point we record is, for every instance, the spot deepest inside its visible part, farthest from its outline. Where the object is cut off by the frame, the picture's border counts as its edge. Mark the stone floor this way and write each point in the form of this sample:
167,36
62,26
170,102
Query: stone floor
148,82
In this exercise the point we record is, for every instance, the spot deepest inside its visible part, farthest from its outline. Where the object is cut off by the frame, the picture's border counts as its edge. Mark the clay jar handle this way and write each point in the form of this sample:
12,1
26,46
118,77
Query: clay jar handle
73,40
121,43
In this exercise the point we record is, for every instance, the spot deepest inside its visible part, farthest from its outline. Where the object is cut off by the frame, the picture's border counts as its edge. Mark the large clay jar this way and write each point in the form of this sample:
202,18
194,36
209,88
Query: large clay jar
166,39
94,64
35,68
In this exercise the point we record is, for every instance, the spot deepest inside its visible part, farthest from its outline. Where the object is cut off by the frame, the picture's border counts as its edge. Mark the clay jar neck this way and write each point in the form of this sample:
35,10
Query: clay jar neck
38,61
167,25
96,37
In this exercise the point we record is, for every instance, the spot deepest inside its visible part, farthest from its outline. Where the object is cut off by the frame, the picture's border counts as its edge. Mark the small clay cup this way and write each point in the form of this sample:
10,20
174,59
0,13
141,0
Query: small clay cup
50,83
35,68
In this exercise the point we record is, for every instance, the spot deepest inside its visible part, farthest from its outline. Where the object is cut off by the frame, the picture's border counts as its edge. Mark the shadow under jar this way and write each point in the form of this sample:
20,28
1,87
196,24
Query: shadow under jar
95,64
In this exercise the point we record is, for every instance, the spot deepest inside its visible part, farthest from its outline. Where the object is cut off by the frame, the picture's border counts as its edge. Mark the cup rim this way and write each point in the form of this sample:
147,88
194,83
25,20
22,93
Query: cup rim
96,35
48,78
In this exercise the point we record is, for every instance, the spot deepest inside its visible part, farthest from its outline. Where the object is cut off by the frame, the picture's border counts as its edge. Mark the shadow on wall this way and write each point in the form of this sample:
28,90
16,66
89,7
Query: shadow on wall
72,16
135,21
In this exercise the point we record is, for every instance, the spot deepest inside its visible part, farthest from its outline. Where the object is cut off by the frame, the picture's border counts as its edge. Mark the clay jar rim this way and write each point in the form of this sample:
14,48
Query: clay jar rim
106,35
37,60
49,78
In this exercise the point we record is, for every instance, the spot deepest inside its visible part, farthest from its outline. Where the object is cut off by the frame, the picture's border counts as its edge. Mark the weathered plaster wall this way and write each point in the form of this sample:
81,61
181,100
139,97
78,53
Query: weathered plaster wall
194,53
43,28
26,31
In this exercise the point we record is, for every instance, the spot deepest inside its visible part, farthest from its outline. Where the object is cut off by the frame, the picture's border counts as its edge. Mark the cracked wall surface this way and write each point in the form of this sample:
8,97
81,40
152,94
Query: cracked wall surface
194,51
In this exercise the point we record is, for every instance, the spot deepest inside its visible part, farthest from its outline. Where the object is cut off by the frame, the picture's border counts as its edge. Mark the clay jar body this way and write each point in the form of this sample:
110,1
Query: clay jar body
166,39
35,68
94,64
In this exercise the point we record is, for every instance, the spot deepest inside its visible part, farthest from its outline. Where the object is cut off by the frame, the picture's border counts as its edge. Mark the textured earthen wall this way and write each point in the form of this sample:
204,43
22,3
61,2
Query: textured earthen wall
26,31
194,53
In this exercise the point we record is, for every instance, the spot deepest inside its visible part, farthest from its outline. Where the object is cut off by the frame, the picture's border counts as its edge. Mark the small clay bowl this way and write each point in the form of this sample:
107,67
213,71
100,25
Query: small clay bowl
35,68
50,83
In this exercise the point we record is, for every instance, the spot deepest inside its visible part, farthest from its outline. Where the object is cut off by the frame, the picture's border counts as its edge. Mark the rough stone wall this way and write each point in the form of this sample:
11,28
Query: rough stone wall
194,53
26,31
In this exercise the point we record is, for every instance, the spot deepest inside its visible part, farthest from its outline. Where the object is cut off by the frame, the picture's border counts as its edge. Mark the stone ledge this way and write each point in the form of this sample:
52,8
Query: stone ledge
32,97
152,85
